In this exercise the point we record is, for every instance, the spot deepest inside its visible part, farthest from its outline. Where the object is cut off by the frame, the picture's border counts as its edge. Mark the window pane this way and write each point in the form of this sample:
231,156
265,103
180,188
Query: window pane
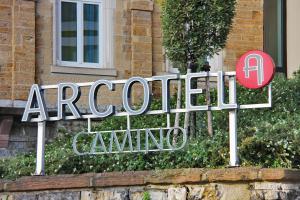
273,29
68,31
91,33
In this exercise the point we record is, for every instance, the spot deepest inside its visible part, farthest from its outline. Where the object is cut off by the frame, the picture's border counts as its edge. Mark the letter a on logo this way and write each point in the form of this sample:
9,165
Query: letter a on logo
255,69
258,67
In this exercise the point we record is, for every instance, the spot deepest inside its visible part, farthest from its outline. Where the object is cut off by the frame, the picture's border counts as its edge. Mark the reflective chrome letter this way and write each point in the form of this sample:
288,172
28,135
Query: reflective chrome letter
184,139
93,98
189,91
74,144
62,102
160,146
221,103
102,146
114,138
38,102
127,95
259,67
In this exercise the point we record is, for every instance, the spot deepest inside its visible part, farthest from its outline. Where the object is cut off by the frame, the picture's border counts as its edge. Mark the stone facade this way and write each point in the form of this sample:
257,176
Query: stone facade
28,44
246,33
182,184
17,48
28,51
17,59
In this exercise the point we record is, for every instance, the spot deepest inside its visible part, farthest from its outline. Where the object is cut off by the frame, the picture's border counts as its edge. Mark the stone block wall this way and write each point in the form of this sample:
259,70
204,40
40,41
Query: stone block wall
17,48
17,60
27,46
138,49
179,184
132,50
246,33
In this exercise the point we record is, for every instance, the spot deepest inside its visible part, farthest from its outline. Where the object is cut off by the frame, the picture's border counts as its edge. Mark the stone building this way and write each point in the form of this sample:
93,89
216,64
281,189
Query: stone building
40,42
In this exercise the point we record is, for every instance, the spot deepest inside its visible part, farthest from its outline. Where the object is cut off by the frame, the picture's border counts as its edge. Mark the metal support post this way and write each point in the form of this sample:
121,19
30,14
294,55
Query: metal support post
89,125
270,95
40,150
168,120
234,161
128,122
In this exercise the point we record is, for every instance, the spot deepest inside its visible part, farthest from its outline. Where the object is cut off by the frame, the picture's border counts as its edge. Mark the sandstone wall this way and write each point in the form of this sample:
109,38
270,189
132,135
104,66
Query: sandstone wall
27,48
132,50
17,59
27,45
246,33
138,47
17,48
180,184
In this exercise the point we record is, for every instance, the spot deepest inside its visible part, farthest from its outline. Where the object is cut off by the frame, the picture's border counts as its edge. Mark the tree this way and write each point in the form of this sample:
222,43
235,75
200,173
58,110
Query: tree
194,30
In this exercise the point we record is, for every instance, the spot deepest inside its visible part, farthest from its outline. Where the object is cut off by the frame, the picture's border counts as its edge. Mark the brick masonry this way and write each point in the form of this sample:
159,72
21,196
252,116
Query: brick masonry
178,184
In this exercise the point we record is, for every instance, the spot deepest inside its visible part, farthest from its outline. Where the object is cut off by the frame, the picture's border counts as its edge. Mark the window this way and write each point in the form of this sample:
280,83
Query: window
171,67
79,33
274,32
216,62
83,31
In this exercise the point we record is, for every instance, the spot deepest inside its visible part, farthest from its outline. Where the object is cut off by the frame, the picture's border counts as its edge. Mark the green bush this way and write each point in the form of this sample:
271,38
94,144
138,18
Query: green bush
146,196
267,138
197,27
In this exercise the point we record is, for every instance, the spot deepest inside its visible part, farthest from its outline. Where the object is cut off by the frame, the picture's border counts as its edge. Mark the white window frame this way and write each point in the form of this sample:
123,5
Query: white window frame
217,62
106,44
170,68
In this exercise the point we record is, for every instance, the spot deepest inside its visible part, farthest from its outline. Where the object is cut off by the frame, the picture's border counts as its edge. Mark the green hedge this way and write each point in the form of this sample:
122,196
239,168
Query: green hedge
267,138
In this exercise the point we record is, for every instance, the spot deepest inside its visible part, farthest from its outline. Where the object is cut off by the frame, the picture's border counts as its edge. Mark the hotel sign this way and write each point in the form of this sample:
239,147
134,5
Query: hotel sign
254,70
36,104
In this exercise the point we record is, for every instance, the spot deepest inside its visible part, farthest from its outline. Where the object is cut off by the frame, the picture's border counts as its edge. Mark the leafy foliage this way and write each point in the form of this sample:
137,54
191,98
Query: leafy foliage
199,27
267,138
146,196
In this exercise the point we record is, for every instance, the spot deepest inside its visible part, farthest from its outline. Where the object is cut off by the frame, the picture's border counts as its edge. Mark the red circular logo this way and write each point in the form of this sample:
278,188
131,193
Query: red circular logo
255,69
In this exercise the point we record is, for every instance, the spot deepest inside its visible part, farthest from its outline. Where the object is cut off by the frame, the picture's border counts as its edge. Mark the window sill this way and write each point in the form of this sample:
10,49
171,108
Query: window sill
84,71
